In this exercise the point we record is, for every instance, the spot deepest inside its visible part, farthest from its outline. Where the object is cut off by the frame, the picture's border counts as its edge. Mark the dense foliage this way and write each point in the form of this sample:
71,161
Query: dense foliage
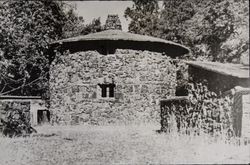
112,22
16,119
215,30
93,27
219,29
74,24
26,29
172,18
144,17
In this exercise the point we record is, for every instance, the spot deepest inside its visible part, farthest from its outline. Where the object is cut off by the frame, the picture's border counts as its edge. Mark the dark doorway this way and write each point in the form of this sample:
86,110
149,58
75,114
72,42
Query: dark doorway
43,116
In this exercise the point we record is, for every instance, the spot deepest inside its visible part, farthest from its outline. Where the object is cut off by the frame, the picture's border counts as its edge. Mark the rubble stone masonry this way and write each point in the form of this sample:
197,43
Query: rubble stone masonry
141,80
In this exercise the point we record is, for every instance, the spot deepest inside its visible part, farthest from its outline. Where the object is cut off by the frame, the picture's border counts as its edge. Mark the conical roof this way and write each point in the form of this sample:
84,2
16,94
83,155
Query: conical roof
109,40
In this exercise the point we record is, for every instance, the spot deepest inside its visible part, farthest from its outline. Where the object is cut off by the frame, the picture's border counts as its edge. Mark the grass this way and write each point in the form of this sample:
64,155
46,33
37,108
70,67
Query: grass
130,144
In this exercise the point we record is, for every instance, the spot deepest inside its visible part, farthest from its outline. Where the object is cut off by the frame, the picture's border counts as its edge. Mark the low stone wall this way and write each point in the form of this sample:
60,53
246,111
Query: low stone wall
29,104
141,79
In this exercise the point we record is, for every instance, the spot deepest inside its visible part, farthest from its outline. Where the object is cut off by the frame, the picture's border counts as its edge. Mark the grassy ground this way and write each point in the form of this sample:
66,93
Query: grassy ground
131,144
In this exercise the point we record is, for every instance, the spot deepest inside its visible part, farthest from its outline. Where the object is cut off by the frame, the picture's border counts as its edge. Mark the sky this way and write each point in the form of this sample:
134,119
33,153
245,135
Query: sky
94,9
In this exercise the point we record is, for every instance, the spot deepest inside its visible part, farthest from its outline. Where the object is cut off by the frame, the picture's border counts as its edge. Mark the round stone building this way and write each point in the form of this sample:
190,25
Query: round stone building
111,77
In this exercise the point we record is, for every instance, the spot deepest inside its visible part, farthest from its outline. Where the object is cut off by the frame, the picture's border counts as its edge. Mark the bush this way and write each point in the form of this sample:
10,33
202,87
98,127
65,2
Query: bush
16,123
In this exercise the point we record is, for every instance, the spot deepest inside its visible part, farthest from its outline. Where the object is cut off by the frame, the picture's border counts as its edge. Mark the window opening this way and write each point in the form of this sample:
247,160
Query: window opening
107,90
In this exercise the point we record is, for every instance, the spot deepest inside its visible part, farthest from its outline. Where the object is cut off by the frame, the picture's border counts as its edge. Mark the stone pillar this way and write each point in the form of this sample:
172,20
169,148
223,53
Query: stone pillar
33,113
241,111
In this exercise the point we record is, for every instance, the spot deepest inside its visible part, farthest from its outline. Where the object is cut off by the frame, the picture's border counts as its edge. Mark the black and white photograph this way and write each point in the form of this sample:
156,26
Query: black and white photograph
128,82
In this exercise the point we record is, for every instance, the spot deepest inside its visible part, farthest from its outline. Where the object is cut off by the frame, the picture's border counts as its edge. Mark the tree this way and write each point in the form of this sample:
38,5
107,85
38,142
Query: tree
93,27
173,17
215,30
73,25
219,30
26,29
144,17
113,22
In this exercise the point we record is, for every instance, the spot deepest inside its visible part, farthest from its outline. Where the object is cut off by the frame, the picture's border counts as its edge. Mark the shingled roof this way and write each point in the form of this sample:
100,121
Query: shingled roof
113,39
235,70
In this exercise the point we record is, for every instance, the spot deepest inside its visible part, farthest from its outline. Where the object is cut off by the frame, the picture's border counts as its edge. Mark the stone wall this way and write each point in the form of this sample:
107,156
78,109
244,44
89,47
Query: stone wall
31,104
141,79
195,115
